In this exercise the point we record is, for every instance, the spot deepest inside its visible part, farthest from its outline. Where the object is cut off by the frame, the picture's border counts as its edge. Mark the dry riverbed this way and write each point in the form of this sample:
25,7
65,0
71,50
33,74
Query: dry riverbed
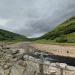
68,51
14,60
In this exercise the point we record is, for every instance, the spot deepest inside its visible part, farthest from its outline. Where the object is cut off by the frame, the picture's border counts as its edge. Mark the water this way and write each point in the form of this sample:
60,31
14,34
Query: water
53,58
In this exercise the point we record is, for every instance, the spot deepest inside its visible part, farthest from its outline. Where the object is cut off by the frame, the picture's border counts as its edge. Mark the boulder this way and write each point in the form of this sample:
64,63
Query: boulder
1,71
16,70
61,65
21,51
70,68
15,51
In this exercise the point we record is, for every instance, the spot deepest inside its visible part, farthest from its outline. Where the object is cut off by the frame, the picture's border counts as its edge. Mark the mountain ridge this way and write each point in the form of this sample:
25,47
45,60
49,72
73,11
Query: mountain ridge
64,32
7,35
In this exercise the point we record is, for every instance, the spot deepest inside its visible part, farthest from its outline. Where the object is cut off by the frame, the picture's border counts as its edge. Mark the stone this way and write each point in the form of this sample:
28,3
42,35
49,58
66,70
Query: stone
6,67
15,51
21,51
25,57
46,62
22,63
53,64
16,69
70,68
62,65
1,71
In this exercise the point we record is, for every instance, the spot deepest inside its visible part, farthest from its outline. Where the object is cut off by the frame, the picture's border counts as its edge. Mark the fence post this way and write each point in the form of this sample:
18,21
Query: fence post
41,69
41,65
61,71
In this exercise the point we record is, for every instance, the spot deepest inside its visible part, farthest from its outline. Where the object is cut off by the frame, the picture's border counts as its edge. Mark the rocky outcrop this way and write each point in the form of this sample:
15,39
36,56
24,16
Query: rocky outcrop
14,61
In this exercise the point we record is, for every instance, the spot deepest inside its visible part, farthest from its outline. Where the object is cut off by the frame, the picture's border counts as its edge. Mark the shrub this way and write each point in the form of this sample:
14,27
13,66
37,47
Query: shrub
61,39
71,40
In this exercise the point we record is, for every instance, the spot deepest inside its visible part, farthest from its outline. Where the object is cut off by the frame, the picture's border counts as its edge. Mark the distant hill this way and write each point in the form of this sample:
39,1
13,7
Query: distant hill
64,32
10,36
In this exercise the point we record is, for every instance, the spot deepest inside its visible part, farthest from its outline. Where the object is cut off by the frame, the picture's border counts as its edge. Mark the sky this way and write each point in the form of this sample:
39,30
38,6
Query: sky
34,18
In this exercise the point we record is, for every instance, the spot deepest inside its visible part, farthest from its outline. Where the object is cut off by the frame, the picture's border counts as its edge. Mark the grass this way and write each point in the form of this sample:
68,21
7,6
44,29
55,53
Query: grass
43,41
63,34
63,29
70,36
7,42
10,36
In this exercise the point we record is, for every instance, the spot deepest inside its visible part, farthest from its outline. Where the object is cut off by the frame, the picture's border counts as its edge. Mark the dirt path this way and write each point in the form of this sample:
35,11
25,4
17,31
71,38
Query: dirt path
23,45
68,51
15,61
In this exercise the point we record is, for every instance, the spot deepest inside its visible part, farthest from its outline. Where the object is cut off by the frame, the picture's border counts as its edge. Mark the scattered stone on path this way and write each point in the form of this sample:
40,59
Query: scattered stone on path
14,61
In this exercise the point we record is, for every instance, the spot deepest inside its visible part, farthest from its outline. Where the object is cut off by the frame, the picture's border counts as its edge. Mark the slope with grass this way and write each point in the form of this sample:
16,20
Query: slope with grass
63,33
10,36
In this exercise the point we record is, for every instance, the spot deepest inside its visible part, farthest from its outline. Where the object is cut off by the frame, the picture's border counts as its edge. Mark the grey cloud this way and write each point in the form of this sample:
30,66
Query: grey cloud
35,17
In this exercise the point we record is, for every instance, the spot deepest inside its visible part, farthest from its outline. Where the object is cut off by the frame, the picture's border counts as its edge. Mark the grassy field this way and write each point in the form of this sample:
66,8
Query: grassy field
43,41
7,37
11,42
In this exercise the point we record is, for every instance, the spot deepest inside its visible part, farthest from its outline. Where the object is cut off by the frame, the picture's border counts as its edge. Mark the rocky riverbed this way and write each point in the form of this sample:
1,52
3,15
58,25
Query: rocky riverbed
22,61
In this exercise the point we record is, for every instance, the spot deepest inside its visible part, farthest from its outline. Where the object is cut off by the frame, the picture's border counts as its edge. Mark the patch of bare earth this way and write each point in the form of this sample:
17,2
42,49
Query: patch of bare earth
68,51
14,60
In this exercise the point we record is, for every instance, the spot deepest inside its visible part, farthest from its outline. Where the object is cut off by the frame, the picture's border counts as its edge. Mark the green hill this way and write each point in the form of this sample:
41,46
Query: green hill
64,32
10,36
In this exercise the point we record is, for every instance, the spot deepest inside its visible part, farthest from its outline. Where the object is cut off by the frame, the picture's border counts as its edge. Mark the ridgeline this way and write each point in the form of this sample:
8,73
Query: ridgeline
10,36
63,33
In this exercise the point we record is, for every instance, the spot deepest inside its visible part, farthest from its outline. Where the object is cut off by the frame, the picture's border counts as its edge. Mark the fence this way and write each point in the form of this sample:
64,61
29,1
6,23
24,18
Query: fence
45,68
49,69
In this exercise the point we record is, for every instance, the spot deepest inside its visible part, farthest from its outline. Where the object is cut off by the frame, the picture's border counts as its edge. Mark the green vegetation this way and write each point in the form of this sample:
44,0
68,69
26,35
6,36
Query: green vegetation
43,41
11,37
63,33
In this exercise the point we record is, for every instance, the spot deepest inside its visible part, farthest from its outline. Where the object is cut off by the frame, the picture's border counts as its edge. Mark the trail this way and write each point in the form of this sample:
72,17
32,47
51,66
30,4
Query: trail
67,51
63,54
25,58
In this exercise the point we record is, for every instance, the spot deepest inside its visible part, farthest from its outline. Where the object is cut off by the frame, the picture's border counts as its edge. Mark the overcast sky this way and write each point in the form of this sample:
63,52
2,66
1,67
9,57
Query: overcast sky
33,18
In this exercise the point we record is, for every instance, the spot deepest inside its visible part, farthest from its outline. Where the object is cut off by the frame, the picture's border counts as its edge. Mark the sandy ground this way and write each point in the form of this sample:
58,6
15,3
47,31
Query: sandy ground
12,60
68,51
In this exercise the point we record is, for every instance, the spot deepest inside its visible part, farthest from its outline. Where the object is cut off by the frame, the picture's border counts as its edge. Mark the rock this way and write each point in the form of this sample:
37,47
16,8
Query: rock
51,70
46,62
31,68
15,51
5,67
31,58
15,62
22,63
25,57
14,59
1,71
8,56
21,51
9,51
53,64
61,65
0,47
7,72
7,47
20,56
16,69
70,68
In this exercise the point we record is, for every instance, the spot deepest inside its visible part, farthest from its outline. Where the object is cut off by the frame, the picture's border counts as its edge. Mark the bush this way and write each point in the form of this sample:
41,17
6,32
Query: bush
61,39
71,40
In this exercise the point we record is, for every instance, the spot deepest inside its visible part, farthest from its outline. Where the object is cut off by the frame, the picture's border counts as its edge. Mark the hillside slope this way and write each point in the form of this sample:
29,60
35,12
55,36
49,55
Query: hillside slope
64,32
10,36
